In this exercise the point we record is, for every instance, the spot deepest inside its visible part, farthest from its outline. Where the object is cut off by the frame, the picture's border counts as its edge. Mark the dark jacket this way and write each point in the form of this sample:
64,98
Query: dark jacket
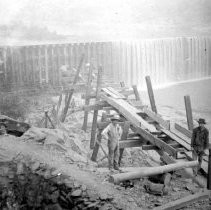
200,138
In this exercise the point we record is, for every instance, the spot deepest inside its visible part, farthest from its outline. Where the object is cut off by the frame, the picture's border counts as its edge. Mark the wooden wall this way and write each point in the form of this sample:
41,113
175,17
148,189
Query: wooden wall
165,60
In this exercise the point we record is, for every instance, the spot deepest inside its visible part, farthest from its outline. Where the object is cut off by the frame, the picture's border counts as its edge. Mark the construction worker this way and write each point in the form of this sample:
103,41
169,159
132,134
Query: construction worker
113,133
3,129
199,142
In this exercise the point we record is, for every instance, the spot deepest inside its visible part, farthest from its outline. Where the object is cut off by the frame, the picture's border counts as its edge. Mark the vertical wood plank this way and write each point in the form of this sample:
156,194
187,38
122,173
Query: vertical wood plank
137,95
151,94
99,137
46,65
95,116
87,97
188,109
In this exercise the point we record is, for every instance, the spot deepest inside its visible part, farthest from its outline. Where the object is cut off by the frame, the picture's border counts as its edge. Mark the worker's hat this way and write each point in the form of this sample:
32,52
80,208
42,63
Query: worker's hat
201,121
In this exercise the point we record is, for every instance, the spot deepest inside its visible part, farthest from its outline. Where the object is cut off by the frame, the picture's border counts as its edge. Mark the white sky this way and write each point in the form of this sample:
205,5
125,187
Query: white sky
80,17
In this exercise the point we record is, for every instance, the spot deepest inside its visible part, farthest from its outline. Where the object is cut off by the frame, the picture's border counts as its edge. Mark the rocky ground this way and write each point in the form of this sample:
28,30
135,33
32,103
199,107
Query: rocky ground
82,183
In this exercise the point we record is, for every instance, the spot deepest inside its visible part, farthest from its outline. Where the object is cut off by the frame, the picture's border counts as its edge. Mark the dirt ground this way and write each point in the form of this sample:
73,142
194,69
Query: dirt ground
76,164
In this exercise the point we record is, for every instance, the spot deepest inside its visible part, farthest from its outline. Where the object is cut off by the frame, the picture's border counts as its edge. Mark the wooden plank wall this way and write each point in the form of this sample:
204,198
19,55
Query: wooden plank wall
165,60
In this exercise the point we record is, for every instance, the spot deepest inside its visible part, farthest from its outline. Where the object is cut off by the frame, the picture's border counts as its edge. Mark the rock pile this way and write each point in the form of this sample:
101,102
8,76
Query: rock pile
33,186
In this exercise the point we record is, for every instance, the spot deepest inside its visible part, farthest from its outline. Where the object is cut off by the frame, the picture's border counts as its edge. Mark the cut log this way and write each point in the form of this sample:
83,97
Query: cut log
170,160
150,171
180,203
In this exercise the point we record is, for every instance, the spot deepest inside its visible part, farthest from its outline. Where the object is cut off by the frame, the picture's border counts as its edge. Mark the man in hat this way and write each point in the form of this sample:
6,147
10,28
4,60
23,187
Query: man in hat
199,142
3,129
113,133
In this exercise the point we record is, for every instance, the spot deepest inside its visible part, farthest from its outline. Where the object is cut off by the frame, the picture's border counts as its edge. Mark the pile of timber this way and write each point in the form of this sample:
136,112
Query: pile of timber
143,127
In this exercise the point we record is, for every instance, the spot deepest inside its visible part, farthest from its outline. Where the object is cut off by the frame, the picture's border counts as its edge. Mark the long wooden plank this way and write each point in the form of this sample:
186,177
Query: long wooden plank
177,138
107,91
181,135
87,99
156,141
180,203
95,115
149,147
72,90
116,92
157,118
183,130
129,112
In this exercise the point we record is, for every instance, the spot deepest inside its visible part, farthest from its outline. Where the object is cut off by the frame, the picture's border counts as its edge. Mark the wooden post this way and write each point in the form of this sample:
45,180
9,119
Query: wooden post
46,65
122,84
59,104
188,109
137,95
151,94
46,119
97,144
40,65
123,137
209,171
87,98
94,122
72,90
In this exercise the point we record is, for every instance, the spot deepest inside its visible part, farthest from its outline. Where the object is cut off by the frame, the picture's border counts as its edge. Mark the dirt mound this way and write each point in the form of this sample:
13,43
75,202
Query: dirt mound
58,140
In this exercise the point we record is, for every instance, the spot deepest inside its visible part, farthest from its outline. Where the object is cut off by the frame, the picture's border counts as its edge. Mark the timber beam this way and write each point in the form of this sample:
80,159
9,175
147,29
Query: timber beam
98,106
131,143
149,147
157,118
156,141
183,130
185,201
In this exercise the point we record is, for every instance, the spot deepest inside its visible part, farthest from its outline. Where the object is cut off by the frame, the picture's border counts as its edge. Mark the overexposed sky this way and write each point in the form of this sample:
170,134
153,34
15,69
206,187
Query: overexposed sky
78,17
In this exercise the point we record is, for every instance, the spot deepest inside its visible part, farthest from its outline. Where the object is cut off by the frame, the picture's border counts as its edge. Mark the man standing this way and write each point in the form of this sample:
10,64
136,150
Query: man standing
199,142
113,133
3,129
